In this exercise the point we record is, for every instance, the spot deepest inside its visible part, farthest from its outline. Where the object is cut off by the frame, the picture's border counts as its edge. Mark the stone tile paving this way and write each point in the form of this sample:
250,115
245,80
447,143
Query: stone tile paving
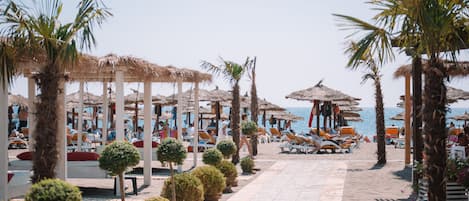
297,180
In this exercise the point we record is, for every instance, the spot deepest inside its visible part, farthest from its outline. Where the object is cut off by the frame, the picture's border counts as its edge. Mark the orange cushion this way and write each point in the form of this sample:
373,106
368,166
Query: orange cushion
25,156
82,156
347,130
392,130
139,144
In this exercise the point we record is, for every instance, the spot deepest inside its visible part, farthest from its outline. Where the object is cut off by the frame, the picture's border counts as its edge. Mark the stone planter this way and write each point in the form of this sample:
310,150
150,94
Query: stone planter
454,191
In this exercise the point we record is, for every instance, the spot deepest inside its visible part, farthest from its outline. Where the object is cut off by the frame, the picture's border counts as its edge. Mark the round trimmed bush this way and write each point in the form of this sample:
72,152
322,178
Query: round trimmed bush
116,158
53,190
247,164
171,151
229,171
212,157
212,180
188,187
157,199
227,148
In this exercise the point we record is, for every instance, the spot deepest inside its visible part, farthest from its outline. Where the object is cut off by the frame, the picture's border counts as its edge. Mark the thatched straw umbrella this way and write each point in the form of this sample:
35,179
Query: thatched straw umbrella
216,96
458,69
283,115
17,100
398,117
318,93
464,117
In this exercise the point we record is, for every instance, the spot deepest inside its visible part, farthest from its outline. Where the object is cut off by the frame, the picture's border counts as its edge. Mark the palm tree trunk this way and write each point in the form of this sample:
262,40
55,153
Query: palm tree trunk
45,153
417,113
235,122
254,107
434,116
121,185
380,122
173,185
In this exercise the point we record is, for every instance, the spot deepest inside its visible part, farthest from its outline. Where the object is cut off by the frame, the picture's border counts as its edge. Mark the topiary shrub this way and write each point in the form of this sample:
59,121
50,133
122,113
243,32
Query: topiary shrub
212,180
229,171
157,199
188,187
227,148
171,151
212,157
53,190
116,158
247,164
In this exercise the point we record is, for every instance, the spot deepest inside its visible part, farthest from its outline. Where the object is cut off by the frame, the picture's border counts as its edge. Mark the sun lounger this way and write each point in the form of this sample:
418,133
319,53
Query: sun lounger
276,135
262,136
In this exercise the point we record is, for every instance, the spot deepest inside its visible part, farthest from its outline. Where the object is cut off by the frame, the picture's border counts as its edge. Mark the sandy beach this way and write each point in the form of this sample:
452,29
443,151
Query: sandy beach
361,179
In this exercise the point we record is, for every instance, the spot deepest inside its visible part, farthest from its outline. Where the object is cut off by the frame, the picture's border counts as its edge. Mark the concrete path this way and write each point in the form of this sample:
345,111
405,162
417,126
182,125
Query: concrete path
297,181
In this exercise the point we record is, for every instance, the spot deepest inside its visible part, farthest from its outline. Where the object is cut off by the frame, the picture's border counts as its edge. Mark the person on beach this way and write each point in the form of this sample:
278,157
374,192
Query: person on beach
243,139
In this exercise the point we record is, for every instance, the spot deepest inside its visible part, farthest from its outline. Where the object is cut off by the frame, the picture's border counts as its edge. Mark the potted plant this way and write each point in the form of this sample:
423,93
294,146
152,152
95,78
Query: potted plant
116,158
229,170
227,148
247,165
213,181
157,199
53,189
212,157
171,151
188,187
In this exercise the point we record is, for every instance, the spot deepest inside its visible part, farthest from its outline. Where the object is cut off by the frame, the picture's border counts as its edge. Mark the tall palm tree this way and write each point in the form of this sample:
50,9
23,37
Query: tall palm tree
372,71
254,106
436,28
232,72
38,32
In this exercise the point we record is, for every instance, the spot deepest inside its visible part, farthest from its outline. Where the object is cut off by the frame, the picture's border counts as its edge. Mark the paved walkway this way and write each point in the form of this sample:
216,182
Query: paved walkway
297,181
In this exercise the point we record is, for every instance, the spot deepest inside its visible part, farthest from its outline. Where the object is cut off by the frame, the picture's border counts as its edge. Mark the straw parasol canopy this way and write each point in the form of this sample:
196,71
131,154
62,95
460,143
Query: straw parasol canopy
464,117
89,99
398,117
453,69
284,115
357,119
452,95
17,100
320,92
137,97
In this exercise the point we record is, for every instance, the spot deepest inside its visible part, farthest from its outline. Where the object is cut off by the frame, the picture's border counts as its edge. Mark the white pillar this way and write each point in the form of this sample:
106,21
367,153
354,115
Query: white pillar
61,168
119,105
147,153
80,116
31,112
105,113
196,123
179,116
3,142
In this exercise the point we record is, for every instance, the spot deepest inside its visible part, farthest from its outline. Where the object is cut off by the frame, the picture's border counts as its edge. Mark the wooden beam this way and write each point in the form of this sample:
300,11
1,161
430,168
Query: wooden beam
407,119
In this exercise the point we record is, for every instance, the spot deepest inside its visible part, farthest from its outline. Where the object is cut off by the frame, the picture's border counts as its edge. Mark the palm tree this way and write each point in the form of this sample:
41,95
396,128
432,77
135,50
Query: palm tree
37,32
232,72
432,27
254,106
372,72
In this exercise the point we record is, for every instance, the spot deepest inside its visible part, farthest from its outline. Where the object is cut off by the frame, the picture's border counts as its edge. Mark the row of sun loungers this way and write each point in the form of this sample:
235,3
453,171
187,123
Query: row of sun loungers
345,142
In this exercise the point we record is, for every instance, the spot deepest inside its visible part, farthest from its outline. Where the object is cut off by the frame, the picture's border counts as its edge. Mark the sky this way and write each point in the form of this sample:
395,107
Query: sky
297,43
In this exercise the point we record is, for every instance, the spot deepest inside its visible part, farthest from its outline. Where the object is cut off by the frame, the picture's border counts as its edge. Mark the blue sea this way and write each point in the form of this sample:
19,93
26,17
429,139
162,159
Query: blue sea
367,126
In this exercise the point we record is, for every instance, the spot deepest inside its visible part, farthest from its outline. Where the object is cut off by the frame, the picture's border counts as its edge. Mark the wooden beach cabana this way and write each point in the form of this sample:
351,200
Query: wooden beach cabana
110,68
